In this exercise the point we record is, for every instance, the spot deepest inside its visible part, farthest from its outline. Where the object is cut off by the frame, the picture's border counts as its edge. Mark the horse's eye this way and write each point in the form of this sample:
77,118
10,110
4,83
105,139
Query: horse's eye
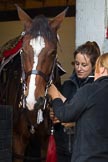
52,53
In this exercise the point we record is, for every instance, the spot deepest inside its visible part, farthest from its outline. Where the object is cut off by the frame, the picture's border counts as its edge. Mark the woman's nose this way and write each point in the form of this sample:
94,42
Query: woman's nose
79,67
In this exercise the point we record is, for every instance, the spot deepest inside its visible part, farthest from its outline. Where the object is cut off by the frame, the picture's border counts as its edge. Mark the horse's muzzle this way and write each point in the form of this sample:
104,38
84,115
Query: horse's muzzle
40,103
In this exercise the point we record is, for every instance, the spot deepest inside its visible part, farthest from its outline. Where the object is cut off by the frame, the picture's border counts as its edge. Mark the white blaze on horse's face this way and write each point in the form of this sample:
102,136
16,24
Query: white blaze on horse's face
37,44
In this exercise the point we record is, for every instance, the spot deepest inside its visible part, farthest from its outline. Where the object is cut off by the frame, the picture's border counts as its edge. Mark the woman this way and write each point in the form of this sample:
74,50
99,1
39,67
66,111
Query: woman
85,57
90,113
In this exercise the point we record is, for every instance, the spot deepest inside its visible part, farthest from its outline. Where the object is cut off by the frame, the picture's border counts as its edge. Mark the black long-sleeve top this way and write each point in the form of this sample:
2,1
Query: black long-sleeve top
89,109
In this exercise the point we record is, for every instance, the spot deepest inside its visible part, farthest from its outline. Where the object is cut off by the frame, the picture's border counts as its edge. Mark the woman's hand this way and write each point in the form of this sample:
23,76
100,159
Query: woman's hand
68,125
56,120
53,118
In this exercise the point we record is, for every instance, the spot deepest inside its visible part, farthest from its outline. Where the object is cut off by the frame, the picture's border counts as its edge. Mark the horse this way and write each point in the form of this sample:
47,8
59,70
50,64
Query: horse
25,79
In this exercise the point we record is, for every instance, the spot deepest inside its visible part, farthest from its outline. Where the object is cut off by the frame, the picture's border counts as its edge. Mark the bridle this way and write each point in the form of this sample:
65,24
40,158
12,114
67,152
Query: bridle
42,102
37,72
48,78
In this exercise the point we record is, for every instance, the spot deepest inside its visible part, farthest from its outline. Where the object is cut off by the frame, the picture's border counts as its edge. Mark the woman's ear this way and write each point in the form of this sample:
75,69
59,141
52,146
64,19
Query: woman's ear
102,70
99,73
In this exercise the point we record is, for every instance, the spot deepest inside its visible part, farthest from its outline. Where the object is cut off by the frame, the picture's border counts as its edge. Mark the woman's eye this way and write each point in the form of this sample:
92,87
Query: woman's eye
84,65
77,63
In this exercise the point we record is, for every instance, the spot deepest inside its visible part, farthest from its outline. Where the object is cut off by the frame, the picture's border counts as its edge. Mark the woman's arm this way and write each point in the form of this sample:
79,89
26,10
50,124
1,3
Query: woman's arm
54,93
68,112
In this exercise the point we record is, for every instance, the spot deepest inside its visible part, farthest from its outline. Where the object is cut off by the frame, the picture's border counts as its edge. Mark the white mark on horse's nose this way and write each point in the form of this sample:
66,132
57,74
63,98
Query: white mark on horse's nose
37,44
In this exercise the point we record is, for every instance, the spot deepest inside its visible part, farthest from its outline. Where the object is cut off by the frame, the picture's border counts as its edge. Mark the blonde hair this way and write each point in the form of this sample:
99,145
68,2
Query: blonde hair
102,61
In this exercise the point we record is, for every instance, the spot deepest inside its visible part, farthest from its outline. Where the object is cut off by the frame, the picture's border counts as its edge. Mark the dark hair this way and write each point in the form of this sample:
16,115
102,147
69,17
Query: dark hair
91,49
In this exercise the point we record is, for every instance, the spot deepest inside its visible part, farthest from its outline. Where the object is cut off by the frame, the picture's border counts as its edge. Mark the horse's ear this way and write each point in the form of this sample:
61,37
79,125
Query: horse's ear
24,17
56,22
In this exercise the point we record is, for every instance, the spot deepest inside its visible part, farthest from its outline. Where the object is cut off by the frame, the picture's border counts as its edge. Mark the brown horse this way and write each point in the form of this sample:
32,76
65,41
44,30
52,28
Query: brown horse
27,78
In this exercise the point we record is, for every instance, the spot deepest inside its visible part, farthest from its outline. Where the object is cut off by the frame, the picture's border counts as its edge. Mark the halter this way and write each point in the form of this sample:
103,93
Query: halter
42,101
37,72
48,79
49,82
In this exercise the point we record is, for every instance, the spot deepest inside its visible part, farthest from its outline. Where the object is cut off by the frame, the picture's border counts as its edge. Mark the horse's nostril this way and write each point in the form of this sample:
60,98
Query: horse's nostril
40,102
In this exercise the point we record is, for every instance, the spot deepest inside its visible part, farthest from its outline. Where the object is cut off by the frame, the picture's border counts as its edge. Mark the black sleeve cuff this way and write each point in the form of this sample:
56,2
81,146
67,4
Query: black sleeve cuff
57,102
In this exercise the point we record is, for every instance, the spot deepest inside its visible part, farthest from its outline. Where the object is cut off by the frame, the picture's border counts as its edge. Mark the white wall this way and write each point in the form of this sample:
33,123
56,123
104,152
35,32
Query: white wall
90,21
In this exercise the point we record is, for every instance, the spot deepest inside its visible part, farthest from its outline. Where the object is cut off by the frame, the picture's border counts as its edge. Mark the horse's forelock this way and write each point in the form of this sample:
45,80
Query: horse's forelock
40,26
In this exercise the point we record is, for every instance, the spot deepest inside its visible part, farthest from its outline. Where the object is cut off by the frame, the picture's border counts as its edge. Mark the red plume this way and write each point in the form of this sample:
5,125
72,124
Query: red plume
51,152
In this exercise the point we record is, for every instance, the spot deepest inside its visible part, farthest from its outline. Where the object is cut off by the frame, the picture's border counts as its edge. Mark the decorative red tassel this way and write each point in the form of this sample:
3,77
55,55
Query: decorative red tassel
107,33
51,152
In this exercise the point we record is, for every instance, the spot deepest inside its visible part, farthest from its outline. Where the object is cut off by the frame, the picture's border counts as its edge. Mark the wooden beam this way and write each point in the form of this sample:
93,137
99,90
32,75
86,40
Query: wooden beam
47,11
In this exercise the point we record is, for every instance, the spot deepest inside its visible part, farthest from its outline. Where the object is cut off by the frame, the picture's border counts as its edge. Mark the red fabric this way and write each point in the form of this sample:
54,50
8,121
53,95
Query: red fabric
51,153
13,50
107,33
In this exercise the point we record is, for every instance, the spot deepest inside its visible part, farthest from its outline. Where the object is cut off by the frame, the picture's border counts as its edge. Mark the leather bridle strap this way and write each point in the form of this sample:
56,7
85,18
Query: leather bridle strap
49,83
37,72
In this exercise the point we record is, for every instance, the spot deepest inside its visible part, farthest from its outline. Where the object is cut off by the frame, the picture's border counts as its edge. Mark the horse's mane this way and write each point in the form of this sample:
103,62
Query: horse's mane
41,27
